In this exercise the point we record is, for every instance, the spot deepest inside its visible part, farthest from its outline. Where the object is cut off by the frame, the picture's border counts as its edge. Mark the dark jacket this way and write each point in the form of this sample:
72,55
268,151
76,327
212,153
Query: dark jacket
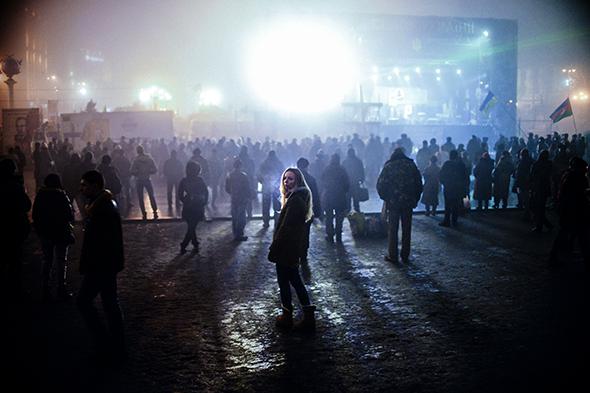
194,195
315,193
14,205
53,215
453,177
482,189
102,248
573,203
335,185
290,230
400,182
522,174
541,178
237,184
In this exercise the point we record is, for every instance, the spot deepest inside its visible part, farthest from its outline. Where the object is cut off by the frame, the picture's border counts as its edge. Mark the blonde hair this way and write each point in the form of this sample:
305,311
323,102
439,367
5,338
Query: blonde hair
301,183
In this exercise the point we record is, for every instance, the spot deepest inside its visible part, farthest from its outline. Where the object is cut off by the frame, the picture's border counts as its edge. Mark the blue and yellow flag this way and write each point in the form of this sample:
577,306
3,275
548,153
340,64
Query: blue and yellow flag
488,102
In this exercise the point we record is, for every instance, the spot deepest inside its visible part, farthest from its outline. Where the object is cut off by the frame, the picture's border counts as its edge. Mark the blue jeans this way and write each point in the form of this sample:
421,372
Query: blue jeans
238,219
140,184
287,276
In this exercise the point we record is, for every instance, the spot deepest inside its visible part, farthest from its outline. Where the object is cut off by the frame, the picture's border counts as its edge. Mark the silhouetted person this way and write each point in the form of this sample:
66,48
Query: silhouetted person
142,168
541,190
522,181
101,259
285,250
237,185
501,175
302,165
173,173
453,177
269,176
112,182
399,185
52,218
335,186
356,175
573,207
482,189
194,195
431,176
248,168
14,206
123,165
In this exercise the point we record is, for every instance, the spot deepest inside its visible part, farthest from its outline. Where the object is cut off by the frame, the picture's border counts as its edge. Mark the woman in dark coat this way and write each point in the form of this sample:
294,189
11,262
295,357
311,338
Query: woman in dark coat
482,191
431,190
52,218
285,250
194,195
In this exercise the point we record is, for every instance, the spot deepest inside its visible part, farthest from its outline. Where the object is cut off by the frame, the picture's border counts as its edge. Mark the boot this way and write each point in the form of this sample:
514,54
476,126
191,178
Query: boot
285,320
307,324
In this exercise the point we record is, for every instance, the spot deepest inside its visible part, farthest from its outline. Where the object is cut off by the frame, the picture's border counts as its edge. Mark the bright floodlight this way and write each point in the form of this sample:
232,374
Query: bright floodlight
210,97
153,93
486,33
83,91
301,66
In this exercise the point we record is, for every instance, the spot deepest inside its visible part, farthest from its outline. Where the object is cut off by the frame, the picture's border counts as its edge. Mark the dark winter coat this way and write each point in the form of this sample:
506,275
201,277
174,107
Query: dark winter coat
522,174
53,215
14,206
573,203
501,175
173,170
541,178
194,195
400,183
237,185
335,185
112,181
290,230
102,247
453,177
431,185
482,190
315,193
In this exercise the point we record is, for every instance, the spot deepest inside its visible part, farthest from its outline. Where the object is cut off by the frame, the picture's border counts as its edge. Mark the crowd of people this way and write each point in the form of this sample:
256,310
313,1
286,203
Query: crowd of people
299,181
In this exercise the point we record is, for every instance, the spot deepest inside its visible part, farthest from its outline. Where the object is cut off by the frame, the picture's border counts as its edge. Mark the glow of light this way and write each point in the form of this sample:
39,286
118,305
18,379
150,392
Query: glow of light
574,70
407,78
575,97
486,33
437,70
396,71
210,97
302,65
417,70
563,70
459,72
153,93
374,78
53,77
375,69
389,77
438,78
83,91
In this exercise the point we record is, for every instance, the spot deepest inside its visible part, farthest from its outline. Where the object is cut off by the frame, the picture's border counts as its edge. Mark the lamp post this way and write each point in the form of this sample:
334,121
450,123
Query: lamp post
10,67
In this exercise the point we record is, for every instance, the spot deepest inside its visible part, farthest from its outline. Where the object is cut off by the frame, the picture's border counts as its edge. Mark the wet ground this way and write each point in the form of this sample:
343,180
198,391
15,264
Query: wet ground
476,310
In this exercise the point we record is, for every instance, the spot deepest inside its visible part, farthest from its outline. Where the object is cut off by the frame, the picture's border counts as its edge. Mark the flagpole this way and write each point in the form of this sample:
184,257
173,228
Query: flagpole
574,117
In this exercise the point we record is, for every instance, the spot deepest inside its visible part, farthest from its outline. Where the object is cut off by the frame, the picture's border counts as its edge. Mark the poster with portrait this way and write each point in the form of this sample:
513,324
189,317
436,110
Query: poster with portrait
20,126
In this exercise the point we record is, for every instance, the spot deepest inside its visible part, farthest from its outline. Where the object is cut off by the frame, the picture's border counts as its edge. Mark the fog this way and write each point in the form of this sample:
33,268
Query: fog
184,44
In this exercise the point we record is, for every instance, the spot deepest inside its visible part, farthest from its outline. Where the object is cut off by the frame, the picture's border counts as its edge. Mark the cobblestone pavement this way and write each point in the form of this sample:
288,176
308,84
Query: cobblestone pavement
476,310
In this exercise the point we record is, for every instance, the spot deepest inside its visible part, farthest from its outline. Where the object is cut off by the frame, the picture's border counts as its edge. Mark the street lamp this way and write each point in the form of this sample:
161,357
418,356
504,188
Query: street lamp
10,67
